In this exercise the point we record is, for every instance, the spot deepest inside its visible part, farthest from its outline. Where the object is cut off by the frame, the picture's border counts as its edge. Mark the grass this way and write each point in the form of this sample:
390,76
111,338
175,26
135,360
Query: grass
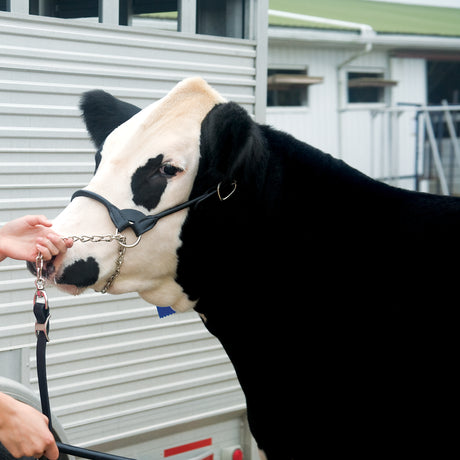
383,17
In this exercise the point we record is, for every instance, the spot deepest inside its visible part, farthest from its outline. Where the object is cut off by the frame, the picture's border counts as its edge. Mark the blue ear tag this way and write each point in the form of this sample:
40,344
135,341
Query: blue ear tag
165,311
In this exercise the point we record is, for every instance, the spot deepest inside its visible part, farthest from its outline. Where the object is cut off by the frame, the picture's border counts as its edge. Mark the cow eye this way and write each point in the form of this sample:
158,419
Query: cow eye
169,170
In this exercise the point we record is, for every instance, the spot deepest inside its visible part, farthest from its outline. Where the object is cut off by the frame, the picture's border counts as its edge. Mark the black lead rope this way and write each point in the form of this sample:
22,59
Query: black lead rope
42,315
122,218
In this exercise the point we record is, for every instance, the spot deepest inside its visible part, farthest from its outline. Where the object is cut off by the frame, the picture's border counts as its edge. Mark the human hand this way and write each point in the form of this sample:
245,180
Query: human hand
24,431
24,238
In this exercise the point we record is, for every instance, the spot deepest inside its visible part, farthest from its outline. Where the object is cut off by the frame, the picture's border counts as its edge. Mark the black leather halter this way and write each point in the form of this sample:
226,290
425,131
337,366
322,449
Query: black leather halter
138,221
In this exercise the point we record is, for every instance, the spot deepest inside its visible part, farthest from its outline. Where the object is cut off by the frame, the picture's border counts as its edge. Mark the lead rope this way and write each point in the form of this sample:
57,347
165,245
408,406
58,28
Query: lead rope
42,315
42,310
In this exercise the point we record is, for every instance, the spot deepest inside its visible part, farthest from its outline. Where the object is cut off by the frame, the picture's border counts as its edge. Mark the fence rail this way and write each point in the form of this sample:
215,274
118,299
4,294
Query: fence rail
434,146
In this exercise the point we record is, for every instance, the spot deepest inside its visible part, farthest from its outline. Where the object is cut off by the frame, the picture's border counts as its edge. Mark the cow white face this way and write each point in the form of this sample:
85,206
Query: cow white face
148,163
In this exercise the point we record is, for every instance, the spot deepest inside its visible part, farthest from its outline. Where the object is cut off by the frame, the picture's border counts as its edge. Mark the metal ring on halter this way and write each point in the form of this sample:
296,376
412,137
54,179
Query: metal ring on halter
226,197
132,245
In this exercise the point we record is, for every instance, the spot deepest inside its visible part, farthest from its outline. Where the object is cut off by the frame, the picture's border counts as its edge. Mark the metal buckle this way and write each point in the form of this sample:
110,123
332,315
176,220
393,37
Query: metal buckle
41,293
43,328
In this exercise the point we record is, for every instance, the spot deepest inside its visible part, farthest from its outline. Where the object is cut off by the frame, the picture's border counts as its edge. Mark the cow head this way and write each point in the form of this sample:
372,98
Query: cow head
147,160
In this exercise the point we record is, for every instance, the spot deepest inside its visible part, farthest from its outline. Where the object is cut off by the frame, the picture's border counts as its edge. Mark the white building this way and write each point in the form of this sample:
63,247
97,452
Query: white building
330,84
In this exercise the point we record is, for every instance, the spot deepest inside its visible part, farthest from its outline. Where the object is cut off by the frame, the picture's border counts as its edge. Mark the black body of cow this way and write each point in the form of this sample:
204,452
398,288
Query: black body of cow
333,294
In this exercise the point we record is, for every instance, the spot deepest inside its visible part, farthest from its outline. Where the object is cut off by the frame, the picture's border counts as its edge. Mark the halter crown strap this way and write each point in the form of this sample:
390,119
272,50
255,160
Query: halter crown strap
138,221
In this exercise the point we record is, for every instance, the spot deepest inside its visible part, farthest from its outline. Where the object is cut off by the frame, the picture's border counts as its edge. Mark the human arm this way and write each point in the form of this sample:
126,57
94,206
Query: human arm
24,431
23,238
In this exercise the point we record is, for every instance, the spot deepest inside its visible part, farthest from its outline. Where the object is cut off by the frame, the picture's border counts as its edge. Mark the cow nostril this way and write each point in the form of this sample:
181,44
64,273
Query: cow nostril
82,273
49,267
32,268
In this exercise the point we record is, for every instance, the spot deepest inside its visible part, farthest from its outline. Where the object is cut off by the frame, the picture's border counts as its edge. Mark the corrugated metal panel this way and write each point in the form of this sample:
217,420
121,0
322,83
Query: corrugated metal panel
115,369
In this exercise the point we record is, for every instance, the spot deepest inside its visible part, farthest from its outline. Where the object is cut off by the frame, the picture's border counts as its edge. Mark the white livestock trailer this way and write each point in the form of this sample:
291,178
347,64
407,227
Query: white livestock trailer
121,379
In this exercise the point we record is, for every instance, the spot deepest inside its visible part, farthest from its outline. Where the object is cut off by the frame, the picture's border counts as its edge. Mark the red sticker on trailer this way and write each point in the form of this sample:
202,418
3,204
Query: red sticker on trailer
187,447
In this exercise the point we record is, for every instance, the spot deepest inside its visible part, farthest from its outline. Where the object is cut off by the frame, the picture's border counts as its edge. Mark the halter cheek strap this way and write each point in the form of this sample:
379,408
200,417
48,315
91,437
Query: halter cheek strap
138,221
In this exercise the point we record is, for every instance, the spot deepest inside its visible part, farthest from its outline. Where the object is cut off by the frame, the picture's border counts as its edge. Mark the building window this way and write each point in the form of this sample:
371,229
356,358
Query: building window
367,87
224,18
443,82
161,14
66,9
288,87
127,9
4,6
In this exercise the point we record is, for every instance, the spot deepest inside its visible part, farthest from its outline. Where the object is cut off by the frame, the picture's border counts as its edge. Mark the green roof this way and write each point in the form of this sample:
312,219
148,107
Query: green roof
383,17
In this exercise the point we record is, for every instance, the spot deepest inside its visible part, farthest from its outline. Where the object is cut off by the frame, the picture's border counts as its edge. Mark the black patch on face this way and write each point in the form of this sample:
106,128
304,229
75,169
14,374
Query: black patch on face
148,183
82,273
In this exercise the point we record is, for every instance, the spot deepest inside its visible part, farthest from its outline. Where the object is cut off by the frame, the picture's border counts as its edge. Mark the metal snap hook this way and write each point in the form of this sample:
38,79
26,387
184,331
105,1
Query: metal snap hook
40,281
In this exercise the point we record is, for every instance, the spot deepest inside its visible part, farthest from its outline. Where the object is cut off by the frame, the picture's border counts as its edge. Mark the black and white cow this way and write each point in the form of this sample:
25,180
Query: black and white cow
334,295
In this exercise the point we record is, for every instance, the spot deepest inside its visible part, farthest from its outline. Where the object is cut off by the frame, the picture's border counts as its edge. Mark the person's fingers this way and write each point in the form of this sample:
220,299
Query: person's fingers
54,251
58,242
45,252
38,220
52,451
49,447
68,242
52,245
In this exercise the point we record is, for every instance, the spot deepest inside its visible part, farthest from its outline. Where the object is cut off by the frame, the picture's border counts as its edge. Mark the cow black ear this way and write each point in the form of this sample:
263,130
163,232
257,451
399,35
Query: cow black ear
233,145
103,112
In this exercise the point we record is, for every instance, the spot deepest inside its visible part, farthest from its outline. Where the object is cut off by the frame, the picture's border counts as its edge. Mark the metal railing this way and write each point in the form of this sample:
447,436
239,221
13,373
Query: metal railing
437,146
440,147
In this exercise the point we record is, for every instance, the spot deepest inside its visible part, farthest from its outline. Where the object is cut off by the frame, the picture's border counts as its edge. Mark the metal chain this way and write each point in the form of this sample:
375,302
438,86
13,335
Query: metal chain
40,295
118,263
122,246
120,239
40,281
97,238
